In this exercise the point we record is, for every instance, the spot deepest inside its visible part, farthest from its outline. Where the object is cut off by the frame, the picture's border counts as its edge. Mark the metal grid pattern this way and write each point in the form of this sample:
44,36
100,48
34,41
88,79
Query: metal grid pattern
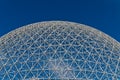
58,50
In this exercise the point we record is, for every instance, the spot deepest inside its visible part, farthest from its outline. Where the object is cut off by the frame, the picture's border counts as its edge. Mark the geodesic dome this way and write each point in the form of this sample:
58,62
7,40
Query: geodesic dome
58,50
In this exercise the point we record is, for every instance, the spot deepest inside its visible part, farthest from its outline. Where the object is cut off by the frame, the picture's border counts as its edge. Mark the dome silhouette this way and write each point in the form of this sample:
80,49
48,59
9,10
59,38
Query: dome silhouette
58,50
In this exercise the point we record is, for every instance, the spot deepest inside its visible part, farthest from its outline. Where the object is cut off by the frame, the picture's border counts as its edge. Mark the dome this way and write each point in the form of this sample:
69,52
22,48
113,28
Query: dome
58,50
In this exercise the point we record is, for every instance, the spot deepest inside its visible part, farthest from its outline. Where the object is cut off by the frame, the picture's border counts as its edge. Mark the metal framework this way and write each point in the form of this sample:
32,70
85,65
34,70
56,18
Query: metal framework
58,50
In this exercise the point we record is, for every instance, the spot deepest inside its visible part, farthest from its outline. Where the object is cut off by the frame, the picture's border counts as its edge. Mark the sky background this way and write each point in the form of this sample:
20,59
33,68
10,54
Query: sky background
103,15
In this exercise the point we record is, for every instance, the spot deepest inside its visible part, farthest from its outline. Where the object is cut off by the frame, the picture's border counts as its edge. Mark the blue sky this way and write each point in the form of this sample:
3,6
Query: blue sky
101,14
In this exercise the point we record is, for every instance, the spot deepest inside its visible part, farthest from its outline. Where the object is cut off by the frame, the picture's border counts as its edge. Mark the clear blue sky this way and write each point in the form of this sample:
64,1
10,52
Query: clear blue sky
101,14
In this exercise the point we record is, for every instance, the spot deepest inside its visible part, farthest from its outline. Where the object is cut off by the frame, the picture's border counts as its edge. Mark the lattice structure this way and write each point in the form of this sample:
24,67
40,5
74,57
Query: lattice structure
58,50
